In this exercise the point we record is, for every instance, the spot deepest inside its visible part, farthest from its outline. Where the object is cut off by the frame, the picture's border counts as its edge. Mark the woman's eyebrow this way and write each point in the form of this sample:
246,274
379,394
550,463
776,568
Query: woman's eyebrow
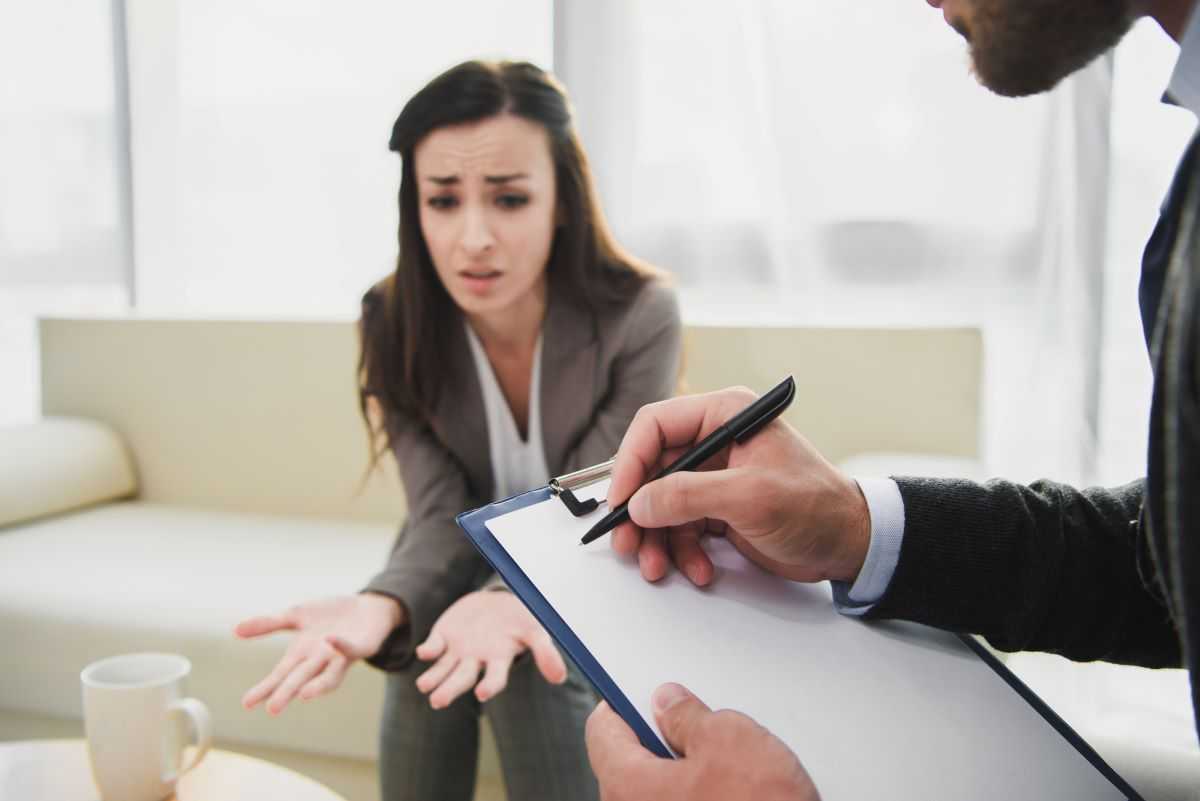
451,180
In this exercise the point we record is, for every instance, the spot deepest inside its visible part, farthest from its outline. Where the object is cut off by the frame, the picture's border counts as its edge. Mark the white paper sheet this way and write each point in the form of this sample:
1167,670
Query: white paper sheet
874,710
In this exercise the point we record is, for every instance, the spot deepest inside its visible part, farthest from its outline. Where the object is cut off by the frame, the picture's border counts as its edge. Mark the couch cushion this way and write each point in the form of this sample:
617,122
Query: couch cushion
59,464
137,577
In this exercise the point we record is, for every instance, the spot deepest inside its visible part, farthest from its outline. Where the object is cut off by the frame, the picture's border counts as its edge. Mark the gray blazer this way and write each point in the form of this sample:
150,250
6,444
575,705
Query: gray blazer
597,371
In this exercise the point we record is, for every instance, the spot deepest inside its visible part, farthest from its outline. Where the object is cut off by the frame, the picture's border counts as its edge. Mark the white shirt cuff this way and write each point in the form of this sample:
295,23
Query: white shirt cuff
886,507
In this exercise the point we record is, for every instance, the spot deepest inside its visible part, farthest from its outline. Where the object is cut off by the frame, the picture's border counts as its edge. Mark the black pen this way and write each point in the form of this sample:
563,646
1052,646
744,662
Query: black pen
740,428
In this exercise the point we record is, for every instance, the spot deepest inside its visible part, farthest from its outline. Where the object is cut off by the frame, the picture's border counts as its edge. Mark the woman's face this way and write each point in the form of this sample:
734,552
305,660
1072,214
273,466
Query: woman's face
486,191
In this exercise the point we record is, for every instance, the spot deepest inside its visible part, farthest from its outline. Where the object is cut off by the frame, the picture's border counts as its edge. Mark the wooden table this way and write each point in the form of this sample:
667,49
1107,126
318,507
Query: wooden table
58,770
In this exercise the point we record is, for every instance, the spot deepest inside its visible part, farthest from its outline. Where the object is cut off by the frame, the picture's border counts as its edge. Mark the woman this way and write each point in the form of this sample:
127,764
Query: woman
514,341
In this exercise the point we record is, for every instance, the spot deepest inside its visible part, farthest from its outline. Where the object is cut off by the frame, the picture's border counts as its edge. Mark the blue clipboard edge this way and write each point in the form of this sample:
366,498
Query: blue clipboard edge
474,524
1060,725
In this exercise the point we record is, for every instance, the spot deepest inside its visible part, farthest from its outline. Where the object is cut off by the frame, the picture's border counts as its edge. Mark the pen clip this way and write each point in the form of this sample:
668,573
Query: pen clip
563,487
787,391
577,507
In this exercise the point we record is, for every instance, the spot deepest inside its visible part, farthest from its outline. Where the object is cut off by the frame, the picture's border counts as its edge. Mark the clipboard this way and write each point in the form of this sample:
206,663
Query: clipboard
1043,746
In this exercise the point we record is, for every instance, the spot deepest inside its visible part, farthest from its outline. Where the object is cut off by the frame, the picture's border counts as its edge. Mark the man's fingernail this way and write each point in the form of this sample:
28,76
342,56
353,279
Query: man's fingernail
668,696
639,505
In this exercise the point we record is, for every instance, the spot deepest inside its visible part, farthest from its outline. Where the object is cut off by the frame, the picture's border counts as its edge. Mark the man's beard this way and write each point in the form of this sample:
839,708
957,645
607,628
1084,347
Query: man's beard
1022,47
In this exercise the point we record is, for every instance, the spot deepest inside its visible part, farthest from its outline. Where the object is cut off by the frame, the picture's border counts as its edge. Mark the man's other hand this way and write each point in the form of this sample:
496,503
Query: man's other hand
722,756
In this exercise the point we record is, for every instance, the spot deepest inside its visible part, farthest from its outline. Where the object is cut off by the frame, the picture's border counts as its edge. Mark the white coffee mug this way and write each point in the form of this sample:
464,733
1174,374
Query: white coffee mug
138,725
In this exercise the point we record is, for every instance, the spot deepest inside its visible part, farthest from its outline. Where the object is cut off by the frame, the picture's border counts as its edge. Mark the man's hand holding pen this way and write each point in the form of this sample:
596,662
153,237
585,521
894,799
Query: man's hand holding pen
780,503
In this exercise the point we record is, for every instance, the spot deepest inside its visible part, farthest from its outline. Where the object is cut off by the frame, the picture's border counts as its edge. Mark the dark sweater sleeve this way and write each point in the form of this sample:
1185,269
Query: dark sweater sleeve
1041,567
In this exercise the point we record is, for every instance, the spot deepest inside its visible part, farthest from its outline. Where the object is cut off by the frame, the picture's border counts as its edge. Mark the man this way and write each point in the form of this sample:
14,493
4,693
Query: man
1094,574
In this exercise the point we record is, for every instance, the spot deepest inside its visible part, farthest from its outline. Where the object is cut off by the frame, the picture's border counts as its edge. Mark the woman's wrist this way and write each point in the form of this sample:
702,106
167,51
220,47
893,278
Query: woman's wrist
392,609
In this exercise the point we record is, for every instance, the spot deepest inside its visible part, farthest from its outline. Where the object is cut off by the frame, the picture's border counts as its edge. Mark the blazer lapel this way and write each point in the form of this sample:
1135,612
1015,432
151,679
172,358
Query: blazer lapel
1158,250
460,421
570,349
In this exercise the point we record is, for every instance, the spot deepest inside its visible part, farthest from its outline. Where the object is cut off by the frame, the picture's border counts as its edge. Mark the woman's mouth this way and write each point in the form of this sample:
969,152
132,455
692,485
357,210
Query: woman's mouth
479,280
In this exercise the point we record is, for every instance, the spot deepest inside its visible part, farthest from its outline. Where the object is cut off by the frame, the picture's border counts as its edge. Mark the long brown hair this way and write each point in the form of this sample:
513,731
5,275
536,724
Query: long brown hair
407,319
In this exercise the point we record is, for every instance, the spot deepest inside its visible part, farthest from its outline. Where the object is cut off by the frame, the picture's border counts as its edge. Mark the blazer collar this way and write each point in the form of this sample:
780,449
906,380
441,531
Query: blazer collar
570,350
460,422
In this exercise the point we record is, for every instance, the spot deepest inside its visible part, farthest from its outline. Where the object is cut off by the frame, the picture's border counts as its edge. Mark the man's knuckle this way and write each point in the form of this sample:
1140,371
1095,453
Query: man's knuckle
677,497
727,728
709,727
686,497
741,394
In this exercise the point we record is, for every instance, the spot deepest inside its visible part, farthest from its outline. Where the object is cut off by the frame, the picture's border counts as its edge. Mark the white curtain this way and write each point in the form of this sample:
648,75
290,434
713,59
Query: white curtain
60,211
63,235
1147,138
262,179
813,163
1063,325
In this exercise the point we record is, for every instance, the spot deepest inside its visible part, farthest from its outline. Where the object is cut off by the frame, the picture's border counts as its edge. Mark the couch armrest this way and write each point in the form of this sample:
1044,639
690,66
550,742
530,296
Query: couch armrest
60,464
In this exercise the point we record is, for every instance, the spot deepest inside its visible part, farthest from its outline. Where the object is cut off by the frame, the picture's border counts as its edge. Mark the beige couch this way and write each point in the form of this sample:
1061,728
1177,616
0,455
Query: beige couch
204,471
207,470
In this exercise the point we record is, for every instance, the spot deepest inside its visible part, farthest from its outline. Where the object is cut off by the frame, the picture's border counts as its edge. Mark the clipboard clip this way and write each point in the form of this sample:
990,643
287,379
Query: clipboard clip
565,487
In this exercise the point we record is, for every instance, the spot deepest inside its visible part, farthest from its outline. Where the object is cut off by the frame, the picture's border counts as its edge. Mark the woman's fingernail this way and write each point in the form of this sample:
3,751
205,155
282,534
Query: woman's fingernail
667,696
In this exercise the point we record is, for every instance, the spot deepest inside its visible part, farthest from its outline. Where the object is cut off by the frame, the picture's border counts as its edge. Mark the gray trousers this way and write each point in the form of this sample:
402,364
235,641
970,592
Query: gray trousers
432,755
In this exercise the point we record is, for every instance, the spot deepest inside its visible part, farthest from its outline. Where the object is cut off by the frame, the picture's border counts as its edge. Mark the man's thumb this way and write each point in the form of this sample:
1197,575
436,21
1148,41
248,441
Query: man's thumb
686,496
679,714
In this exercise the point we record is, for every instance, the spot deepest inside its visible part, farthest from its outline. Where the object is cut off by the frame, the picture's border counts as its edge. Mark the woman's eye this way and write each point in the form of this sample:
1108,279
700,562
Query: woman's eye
442,202
511,201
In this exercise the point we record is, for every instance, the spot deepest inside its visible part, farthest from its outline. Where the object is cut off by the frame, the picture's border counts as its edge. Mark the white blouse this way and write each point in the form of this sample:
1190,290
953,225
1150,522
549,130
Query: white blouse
517,465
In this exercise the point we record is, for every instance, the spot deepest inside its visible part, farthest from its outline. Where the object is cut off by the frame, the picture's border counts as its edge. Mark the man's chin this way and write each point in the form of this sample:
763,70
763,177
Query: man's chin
1026,47
1022,76
1010,85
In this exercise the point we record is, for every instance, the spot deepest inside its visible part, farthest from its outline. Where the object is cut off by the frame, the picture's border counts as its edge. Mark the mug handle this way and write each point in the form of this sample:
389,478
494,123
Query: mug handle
201,728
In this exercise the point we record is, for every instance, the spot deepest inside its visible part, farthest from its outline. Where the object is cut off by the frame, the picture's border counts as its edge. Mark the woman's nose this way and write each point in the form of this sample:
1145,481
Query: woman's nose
477,232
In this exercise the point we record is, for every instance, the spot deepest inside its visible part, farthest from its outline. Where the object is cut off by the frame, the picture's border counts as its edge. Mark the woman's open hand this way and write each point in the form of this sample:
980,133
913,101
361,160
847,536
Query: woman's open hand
483,632
331,634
